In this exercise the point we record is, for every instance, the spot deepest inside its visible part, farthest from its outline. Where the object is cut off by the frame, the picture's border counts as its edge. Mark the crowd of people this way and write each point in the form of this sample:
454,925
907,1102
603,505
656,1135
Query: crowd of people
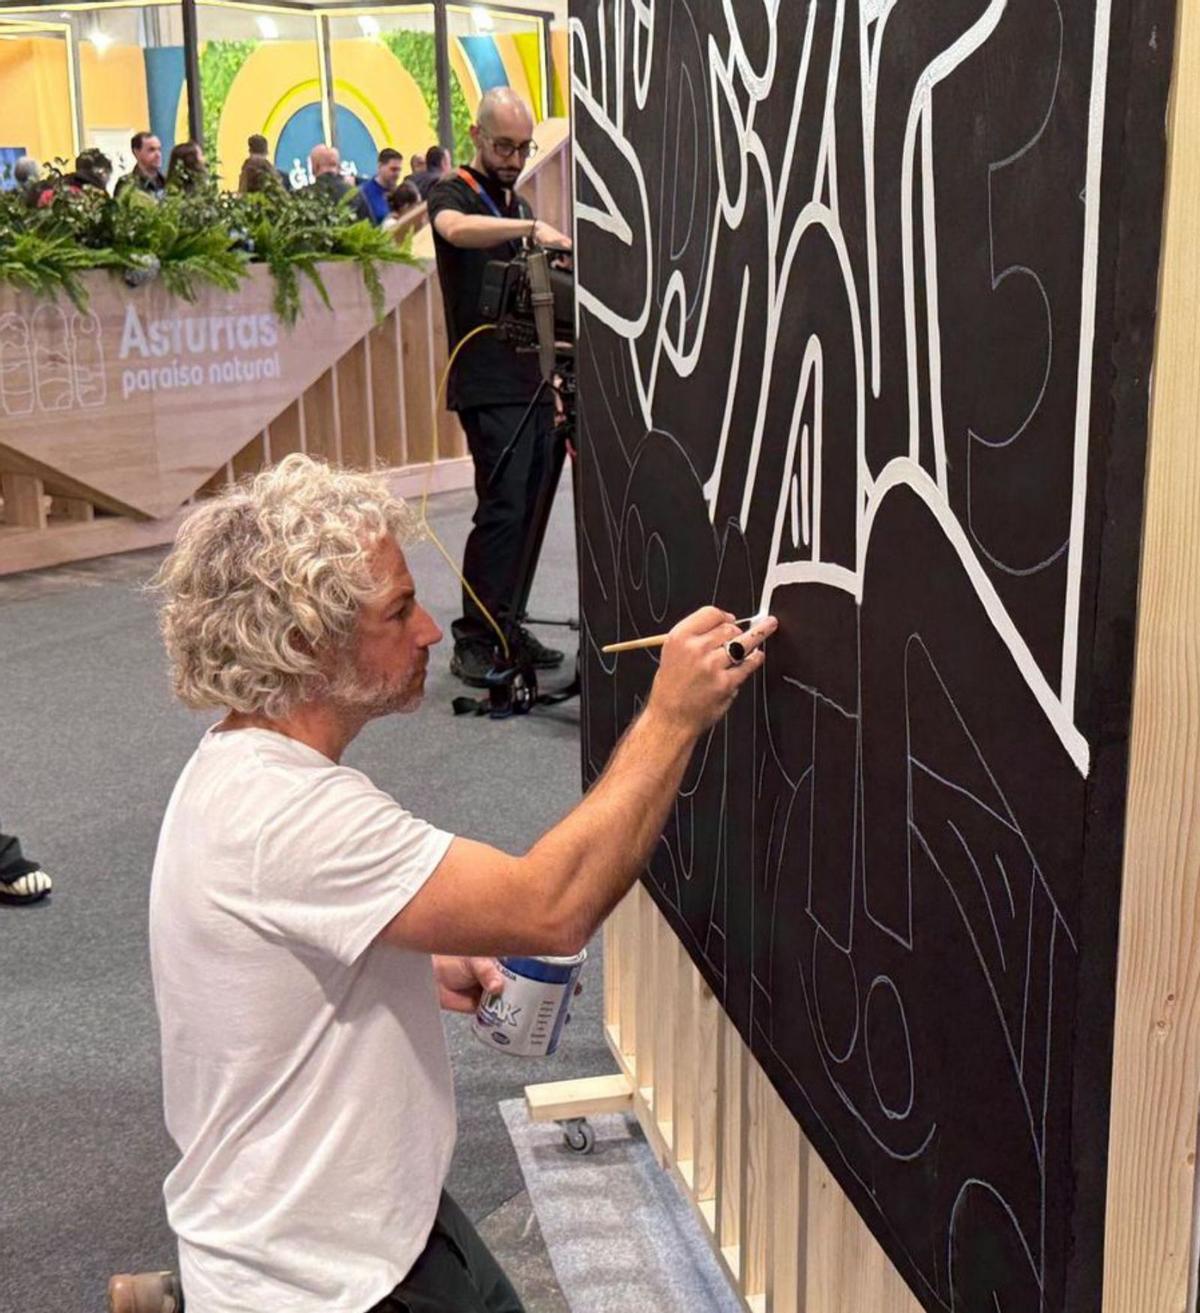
384,198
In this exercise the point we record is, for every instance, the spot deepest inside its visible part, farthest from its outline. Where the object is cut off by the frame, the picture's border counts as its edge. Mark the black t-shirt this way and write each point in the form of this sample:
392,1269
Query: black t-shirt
488,372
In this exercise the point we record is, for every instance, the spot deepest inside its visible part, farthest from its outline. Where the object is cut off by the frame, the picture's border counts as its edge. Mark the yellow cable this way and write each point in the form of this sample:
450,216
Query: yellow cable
424,518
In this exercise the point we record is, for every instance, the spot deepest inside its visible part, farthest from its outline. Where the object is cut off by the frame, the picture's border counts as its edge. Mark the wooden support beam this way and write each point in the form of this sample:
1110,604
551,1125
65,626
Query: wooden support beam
1150,1258
588,1097
24,500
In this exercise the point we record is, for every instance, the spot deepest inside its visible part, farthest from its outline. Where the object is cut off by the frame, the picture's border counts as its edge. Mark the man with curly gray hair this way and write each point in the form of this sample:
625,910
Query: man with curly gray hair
304,927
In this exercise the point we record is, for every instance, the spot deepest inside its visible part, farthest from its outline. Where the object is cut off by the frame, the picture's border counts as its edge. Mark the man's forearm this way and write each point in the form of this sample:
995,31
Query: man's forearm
587,862
479,231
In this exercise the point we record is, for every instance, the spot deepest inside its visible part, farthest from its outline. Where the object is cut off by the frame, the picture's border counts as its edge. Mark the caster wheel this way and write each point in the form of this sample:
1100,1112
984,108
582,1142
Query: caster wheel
578,1135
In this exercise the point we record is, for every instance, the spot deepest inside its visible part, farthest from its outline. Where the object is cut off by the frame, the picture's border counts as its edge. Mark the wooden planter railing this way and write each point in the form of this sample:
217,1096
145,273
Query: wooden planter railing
113,422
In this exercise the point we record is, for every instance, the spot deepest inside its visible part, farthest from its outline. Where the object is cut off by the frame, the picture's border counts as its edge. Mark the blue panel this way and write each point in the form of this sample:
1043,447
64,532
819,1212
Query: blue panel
9,155
356,144
164,86
300,134
304,130
485,60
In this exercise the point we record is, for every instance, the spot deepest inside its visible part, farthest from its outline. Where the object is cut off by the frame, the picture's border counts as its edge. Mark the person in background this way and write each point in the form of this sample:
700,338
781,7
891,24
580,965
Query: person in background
21,880
437,166
400,202
371,201
92,171
146,174
325,165
258,149
259,175
186,169
415,164
477,216
25,174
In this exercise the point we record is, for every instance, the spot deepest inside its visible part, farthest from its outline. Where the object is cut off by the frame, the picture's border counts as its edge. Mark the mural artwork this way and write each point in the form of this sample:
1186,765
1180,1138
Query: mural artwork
866,299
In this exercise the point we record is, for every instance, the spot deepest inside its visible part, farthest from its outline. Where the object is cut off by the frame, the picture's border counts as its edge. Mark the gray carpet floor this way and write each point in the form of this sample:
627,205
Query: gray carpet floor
93,744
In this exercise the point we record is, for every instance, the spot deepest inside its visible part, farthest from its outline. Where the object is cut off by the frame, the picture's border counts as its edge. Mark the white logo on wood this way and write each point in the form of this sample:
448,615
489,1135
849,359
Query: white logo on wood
54,364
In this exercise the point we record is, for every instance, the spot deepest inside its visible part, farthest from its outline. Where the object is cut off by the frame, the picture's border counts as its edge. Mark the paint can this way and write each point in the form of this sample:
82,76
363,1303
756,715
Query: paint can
527,1018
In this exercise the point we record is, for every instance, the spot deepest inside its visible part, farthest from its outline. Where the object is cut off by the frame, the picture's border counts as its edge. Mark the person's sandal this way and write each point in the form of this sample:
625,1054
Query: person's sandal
145,1292
27,888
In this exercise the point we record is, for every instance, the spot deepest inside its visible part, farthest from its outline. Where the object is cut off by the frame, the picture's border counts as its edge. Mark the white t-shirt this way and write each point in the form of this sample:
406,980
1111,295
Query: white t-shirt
305,1073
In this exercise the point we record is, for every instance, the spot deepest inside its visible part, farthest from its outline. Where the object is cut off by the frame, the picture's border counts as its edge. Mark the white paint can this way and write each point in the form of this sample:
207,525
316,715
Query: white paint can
527,1018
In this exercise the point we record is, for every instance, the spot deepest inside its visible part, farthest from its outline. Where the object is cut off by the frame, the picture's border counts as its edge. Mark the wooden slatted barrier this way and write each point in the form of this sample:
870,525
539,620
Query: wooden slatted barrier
782,1229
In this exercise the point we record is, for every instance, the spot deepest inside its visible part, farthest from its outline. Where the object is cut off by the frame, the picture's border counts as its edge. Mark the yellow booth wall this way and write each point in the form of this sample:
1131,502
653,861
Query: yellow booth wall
114,88
281,78
35,101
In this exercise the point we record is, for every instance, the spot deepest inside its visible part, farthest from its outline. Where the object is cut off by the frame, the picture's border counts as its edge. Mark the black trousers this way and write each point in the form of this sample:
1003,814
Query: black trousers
502,515
456,1273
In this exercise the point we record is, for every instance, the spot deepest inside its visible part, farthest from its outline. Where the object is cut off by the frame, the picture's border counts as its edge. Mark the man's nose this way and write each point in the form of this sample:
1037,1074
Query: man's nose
431,633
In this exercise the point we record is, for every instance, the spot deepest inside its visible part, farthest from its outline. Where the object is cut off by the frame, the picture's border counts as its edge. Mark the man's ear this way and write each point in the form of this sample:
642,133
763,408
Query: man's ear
299,643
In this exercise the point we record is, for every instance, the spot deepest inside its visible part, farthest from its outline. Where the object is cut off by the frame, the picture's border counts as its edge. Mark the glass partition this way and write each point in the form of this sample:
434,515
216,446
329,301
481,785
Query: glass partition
118,69
84,74
37,89
494,47
384,82
261,73
131,69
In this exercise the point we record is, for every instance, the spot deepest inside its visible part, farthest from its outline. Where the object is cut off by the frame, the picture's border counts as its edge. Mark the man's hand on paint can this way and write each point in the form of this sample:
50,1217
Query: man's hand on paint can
463,981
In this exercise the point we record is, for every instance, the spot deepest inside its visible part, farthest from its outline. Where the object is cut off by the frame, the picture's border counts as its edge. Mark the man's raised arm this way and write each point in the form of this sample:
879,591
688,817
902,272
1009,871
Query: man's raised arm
481,900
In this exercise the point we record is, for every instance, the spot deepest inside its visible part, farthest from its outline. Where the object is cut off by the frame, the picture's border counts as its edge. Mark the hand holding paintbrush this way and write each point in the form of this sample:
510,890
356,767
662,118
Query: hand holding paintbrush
735,646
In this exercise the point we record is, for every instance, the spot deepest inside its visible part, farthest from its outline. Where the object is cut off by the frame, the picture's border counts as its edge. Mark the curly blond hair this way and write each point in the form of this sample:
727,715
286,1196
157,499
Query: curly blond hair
265,581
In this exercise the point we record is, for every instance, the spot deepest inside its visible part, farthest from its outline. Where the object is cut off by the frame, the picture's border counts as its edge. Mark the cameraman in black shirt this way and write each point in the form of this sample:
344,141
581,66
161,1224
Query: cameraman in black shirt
478,217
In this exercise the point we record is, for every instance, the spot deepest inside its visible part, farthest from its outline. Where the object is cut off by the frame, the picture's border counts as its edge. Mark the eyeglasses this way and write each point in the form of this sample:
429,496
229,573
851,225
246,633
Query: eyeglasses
507,149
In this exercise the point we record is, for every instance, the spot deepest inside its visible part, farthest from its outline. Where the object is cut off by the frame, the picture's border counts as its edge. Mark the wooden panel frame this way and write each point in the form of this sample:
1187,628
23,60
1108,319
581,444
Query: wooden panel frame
1150,1255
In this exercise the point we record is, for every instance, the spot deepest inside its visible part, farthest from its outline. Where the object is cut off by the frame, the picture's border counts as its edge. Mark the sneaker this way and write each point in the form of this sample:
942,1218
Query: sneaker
471,662
540,656
145,1292
27,888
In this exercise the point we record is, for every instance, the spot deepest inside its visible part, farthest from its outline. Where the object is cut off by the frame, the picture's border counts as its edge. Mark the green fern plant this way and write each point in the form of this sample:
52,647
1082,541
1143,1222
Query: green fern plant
203,238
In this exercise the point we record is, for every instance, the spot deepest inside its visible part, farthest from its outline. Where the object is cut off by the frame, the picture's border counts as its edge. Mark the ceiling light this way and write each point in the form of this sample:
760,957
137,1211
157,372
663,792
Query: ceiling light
267,26
369,25
483,20
101,40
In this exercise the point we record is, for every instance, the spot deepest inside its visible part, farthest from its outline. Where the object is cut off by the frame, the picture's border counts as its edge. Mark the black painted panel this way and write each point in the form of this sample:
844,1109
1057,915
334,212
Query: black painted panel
866,311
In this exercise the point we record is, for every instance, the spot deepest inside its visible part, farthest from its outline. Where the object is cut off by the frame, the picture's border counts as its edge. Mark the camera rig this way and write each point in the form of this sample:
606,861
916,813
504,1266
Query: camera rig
531,301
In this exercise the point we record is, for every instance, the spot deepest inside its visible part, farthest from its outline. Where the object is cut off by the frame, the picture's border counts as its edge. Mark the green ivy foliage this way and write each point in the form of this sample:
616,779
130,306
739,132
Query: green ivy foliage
417,52
220,63
205,238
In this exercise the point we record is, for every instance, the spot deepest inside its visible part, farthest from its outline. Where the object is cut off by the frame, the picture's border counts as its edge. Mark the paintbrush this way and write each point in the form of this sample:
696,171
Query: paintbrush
657,640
